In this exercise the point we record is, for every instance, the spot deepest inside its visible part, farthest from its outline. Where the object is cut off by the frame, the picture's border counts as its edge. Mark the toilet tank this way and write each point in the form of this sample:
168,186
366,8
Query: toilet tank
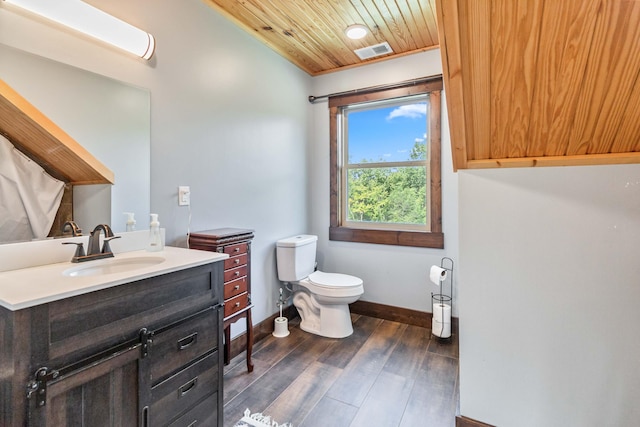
296,257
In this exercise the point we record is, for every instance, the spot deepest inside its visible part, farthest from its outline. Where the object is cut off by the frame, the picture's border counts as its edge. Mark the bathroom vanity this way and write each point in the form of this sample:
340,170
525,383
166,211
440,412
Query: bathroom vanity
114,349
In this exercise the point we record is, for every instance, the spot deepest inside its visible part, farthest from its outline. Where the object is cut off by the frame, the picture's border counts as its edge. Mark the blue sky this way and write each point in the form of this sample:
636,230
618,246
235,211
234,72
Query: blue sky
386,134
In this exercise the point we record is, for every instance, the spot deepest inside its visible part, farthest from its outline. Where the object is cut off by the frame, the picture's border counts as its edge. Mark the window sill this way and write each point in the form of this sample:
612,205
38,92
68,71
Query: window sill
388,237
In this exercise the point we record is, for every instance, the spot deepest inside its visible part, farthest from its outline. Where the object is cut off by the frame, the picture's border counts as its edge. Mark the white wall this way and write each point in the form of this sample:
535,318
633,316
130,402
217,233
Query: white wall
392,275
549,291
229,118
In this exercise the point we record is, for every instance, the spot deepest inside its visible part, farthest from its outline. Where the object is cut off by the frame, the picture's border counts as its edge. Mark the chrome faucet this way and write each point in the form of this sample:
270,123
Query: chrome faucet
93,246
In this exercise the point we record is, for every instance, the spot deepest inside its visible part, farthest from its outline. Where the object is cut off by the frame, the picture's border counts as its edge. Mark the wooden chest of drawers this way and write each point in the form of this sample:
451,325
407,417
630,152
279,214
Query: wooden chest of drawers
236,243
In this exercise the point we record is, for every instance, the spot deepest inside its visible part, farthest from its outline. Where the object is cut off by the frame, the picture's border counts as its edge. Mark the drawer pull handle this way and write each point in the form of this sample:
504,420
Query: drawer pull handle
237,261
237,304
186,388
237,273
236,250
187,341
236,287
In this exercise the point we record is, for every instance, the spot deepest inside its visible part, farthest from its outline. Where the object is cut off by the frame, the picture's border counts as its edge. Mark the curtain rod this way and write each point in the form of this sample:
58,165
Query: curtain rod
313,99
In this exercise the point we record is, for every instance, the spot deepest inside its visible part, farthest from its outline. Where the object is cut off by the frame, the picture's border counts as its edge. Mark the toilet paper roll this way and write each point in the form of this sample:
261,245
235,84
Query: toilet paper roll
442,312
437,274
439,329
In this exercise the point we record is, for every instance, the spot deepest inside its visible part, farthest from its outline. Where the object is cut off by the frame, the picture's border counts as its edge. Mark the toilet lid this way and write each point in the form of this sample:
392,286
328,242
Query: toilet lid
334,280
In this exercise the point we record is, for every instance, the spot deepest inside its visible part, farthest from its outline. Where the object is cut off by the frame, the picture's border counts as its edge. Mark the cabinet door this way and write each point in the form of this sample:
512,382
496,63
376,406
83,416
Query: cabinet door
104,393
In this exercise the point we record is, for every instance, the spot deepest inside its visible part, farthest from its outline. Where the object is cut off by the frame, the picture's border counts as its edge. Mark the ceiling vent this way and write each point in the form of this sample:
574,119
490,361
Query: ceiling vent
373,51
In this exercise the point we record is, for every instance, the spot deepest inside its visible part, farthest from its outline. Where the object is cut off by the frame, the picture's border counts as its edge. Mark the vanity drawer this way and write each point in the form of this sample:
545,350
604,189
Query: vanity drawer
83,325
203,414
232,250
235,287
236,304
235,261
235,273
183,390
178,344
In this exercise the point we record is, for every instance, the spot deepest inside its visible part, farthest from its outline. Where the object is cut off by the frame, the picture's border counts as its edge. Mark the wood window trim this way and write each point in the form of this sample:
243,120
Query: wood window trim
427,239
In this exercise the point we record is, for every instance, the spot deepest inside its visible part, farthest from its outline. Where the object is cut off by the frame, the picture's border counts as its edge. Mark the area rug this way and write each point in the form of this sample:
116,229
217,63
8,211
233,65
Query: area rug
258,420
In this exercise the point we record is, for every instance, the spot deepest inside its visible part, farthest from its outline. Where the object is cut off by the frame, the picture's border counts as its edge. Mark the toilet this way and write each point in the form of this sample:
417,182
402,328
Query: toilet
322,299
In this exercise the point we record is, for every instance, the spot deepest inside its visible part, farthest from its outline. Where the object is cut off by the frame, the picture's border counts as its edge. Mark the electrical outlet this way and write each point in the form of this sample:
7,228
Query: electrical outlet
184,196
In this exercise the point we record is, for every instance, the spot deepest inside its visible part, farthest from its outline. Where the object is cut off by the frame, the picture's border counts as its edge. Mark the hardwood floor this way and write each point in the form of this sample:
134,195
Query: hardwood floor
386,374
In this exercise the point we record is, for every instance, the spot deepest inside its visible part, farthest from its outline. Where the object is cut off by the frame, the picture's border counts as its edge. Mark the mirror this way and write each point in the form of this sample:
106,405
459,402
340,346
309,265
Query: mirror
111,119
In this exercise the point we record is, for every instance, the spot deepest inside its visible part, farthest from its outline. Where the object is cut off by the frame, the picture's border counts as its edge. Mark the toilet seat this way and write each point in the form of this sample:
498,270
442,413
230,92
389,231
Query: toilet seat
333,284
333,280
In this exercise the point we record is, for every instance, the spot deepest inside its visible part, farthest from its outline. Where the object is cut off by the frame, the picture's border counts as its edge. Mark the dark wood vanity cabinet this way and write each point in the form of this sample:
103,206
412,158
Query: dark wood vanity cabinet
235,242
146,353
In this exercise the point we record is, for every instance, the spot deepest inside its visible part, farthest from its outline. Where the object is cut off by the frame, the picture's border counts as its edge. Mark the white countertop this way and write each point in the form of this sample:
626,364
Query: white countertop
28,287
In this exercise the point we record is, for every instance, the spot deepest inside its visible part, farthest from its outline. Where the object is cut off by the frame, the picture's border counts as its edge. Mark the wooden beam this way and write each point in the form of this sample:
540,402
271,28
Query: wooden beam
579,160
451,53
33,133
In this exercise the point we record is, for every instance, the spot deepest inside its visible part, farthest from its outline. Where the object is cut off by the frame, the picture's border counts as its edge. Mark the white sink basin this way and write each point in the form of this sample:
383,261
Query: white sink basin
113,265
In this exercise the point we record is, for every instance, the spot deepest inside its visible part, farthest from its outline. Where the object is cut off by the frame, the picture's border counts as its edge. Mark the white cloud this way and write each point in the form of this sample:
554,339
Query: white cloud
413,111
386,155
419,139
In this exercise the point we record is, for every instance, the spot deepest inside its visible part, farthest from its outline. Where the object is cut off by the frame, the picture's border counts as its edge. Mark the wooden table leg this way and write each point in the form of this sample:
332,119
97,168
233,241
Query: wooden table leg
227,344
249,341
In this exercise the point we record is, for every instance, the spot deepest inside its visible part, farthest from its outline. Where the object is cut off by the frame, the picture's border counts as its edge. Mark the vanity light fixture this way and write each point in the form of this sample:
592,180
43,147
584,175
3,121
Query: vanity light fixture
93,22
356,31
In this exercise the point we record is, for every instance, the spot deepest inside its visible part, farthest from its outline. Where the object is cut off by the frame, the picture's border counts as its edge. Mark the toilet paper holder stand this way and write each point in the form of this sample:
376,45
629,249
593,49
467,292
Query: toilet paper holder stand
443,297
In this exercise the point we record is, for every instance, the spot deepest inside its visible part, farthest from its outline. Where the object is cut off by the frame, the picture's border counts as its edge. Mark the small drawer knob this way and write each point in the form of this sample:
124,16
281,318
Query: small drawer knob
237,304
237,261
236,250
237,273
236,287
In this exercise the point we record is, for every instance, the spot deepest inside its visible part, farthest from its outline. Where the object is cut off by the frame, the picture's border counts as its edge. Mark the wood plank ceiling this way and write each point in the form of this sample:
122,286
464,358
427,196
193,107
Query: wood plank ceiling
310,34
541,82
528,82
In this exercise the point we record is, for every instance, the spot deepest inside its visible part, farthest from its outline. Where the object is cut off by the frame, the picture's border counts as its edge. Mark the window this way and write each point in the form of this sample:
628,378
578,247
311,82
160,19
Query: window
385,165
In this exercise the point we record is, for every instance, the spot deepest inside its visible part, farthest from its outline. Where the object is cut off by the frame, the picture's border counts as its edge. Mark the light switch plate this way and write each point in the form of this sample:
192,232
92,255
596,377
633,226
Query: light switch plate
184,195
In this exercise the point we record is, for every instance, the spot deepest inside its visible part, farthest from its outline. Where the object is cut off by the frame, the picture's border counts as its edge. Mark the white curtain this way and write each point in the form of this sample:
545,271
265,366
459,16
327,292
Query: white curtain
29,197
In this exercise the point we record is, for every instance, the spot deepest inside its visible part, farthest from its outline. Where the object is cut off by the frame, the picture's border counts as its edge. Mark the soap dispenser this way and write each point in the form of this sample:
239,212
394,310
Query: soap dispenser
155,238
131,222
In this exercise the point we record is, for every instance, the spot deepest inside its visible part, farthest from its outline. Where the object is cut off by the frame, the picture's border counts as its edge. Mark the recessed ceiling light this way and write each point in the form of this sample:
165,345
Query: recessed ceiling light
356,31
